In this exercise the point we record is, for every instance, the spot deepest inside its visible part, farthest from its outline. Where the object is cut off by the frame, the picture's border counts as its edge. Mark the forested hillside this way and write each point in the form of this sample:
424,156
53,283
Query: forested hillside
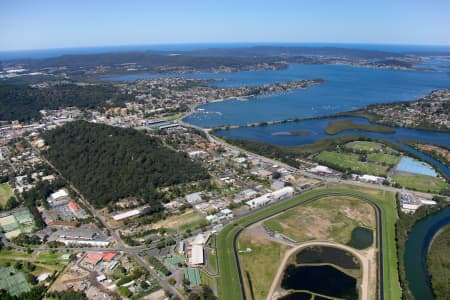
23,103
108,163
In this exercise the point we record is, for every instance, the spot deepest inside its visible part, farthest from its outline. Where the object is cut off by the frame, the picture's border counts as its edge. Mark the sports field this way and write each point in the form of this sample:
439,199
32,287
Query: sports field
421,183
350,162
228,281
13,282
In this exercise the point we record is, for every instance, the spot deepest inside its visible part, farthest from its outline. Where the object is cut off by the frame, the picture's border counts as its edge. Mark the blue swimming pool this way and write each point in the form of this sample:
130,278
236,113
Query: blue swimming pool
410,165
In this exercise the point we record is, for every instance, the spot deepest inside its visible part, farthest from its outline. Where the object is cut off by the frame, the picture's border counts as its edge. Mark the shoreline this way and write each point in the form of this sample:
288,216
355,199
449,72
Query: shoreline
350,113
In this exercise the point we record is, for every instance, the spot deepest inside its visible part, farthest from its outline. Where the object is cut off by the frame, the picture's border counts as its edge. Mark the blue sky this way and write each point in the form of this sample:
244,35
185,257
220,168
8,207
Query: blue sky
28,24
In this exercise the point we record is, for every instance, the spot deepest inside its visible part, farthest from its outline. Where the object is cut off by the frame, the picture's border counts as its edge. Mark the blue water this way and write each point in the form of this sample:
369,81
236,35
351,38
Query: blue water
345,88
278,134
410,165
416,249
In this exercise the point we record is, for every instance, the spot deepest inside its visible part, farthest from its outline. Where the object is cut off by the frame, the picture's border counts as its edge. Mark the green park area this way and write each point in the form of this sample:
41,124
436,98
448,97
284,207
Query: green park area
360,157
259,264
421,183
45,262
337,126
6,192
228,283
350,162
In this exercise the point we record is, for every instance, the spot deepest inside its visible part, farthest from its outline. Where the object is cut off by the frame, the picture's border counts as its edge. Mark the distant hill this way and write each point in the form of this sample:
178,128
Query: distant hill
109,163
290,51
200,59
23,103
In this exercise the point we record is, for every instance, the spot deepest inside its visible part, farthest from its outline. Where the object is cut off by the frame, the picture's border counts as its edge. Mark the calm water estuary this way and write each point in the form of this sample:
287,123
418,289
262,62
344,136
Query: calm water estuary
416,250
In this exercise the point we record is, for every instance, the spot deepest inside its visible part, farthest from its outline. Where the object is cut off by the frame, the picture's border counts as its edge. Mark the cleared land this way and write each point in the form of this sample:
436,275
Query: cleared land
350,162
421,183
329,218
5,193
228,282
188,220
337,126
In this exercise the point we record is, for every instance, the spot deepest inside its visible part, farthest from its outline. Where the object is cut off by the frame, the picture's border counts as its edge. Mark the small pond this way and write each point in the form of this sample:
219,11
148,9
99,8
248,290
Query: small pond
327,255
362,238
323,279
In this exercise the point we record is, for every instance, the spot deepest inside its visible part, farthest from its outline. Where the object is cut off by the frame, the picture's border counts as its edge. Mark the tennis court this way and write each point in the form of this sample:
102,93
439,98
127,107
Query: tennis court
13,282
9,223
193,275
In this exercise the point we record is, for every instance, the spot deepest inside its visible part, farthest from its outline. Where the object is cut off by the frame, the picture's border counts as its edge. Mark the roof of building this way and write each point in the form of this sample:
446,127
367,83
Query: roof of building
197,255
199,239
108,256
60,193
370,177
93,258
194,197
282,192
127,214
73,205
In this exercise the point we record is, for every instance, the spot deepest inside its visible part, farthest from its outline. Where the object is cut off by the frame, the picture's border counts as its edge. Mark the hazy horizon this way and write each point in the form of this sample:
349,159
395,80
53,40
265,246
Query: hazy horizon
54,24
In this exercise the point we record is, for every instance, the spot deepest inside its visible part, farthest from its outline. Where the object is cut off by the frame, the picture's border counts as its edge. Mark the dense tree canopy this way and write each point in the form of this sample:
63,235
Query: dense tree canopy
23,103
108,163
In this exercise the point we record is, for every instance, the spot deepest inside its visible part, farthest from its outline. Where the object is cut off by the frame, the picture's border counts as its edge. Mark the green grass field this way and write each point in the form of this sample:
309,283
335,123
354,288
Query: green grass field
228,281
351,162
383,158
45,261
421,183
5,193
212,260
260,265
364,146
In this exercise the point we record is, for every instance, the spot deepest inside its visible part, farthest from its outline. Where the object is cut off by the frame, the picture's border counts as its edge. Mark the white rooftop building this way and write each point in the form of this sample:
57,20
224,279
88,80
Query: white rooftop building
265,199
321,169
194,198
197,255
127,214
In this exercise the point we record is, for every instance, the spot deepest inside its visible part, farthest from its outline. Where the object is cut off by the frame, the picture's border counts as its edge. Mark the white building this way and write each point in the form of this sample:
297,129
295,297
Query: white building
280,194
59,197
127,214
370,179
197,154
197,255
321,169
194,198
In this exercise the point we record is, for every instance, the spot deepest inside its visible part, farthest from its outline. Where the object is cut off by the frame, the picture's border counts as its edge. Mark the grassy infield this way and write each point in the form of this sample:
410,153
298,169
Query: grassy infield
5,193
228,282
